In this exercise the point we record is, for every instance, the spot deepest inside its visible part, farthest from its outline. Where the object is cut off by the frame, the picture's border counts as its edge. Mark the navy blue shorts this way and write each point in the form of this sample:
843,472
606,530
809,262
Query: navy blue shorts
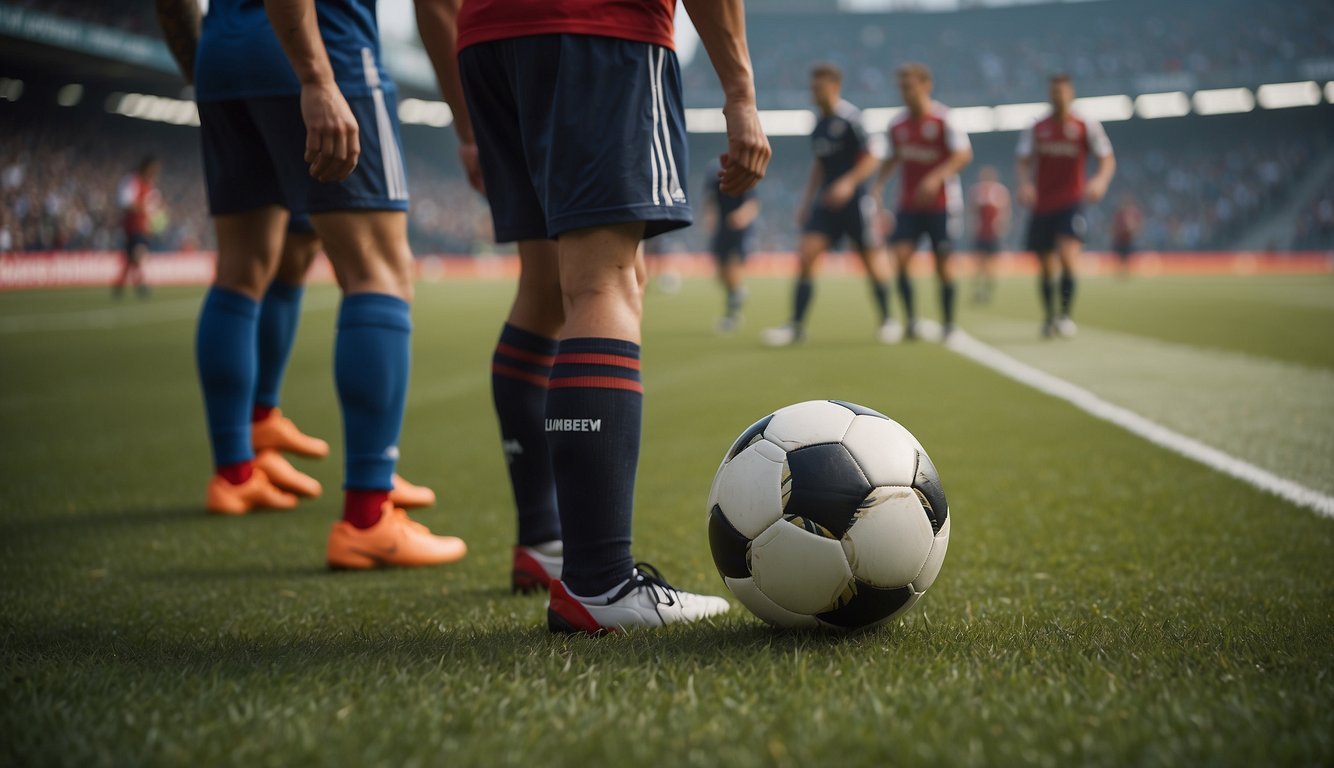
253,157
135,245
578,131
911,227
1045,228
855,221
987,246
730,244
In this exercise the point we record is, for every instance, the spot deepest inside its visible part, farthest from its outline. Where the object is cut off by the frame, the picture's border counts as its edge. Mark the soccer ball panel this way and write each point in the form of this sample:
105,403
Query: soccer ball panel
753,432
749,489
867,606
760,605
810,423
931,569
799,571
927,482
827,486
860,410
730,549
890,539
886,452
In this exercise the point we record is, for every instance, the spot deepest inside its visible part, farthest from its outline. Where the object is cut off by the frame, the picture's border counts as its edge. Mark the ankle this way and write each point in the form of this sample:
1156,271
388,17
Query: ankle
364,508
237,473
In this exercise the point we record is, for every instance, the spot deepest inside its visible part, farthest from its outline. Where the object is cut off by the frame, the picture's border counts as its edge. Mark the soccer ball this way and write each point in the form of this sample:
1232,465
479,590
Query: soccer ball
827,514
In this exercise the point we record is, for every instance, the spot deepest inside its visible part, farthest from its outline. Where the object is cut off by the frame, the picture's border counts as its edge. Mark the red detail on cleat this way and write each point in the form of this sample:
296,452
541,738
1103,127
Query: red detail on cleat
237,473
363,509
260,412
528,575
568,615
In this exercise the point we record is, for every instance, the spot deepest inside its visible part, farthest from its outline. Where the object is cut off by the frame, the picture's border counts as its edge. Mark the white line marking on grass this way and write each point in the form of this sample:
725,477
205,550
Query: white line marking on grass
122,316
1134,423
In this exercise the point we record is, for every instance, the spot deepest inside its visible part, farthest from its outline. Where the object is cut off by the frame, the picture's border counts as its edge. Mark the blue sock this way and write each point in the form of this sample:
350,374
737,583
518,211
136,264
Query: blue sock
594,412
519,372
225,356
1047,290
1067,292
947,303
881,293
905,293
802,300
279,314
372,356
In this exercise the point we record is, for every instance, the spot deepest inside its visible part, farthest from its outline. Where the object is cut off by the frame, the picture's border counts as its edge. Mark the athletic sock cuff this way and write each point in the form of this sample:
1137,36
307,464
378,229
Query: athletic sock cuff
231,302
597,363
523,356
365,310
532,343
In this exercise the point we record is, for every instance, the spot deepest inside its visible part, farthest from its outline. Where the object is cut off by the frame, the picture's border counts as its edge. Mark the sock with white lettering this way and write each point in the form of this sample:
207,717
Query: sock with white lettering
372,355
593,420
519,372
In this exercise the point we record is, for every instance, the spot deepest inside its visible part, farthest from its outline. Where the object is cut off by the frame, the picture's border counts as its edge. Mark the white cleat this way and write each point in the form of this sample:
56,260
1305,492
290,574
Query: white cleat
929,330
536,567
646,600
890,332
1065,327
783,336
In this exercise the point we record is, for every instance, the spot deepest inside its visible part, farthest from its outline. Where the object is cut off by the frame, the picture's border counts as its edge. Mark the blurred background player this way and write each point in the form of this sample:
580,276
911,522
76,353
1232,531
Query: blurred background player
835,205
1051,165
139,200
612,178
991,212
1127,222
733,230
272,433
271,130
931,148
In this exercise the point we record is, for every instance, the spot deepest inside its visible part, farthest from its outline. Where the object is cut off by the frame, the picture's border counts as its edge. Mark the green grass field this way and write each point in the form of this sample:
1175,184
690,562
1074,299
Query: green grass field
1104,602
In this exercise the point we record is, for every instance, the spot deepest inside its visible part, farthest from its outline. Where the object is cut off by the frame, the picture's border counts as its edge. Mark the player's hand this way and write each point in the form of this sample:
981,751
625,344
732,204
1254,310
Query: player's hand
748,150
472,166
333,140
839,193
1095,191
927,190
1028,195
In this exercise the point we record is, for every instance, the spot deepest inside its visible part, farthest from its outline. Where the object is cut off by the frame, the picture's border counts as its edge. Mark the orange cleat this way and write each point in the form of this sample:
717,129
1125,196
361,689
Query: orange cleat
256,493
409,496
396,540
287,477
276,432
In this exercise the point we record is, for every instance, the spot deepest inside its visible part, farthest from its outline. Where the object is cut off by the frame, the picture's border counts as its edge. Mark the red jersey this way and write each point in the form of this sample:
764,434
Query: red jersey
990,199
1126,223
137,198
921,145
1061,152
644,21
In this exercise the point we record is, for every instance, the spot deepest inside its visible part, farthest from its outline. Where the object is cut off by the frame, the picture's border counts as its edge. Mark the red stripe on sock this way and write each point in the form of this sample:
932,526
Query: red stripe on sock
260,413
524,355
597,358
237,473
596,382
536,380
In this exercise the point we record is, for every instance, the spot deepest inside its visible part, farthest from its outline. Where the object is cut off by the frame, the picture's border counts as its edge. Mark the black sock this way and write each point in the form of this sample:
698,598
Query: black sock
802,300
1047,289
947,302
881,292
593,420
905,293
519,372
1067,291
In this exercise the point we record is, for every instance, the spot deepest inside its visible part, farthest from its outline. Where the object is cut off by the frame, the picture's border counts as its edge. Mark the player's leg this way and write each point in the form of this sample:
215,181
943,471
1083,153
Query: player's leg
902,248
810,248
225,353
1068,249
862,232
520,369
942,247
137,274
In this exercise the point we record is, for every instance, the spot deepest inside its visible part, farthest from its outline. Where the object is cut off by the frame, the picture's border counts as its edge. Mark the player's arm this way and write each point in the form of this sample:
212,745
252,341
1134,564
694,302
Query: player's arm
437,23
841,191
179,20
1101,147
721,25
333,141
961,154
745,215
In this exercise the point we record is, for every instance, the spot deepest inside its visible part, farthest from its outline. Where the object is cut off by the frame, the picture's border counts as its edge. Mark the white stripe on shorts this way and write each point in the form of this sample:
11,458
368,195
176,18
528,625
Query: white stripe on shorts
674,185
390,156
662,195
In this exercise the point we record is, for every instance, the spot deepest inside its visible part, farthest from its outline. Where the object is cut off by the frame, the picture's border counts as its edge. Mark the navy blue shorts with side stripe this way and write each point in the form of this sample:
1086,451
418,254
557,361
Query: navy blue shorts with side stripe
578,131
254,156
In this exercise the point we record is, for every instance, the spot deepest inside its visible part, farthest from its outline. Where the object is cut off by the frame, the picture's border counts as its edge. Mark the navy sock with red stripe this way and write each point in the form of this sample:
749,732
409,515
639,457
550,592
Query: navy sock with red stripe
594,411
519,372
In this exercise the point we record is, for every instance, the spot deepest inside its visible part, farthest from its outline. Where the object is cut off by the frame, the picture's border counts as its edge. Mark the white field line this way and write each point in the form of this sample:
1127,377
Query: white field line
108,318
1134,423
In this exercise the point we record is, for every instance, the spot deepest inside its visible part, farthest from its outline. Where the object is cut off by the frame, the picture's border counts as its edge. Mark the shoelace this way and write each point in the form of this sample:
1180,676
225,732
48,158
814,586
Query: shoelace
663,593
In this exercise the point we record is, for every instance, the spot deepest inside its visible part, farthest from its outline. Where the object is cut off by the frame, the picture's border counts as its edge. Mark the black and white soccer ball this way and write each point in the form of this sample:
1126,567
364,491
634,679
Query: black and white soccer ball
828,514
